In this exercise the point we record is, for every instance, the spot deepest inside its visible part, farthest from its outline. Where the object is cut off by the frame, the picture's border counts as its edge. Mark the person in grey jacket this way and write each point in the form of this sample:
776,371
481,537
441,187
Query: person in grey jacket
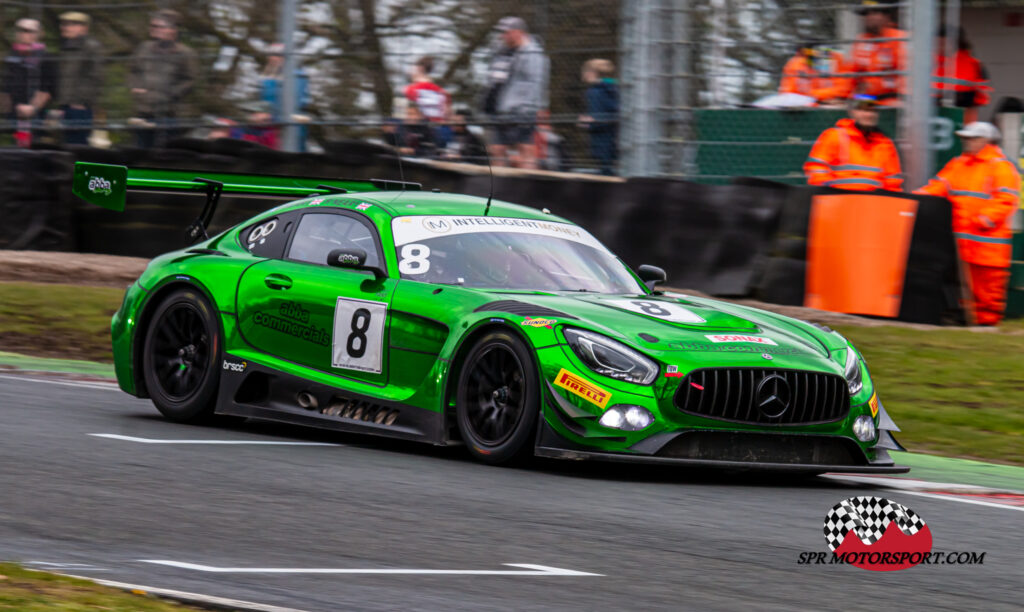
80,77
517,90
163,72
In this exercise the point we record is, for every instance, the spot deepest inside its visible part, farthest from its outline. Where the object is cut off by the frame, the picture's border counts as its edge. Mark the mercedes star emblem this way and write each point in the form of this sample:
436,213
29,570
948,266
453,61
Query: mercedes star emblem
773,396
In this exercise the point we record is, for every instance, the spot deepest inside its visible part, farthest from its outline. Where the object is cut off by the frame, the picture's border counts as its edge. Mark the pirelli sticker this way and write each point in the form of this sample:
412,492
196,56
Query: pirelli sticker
873,402
577,386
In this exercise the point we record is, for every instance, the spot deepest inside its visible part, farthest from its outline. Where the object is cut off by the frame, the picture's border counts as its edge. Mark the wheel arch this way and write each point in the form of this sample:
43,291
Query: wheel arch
449,424
156,296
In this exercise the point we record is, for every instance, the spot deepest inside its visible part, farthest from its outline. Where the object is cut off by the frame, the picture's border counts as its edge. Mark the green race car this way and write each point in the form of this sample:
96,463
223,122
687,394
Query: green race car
376,307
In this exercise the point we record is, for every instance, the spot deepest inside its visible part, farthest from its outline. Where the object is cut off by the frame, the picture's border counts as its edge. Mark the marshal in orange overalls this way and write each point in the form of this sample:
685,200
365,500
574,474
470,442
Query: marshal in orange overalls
843,157
871,56
967,78
803,75
984,189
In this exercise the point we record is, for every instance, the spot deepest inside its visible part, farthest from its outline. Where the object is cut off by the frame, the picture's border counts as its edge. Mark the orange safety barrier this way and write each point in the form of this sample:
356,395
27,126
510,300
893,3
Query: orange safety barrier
857,248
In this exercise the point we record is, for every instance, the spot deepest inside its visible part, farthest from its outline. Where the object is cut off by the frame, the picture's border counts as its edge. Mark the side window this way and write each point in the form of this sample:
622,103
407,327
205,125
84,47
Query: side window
320,233
269,237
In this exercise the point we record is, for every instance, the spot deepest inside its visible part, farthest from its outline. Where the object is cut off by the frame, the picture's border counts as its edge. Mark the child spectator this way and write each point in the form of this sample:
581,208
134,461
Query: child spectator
602,115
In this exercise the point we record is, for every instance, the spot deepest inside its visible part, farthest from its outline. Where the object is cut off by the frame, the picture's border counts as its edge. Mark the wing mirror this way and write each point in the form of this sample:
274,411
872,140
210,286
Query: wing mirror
353,259
651,275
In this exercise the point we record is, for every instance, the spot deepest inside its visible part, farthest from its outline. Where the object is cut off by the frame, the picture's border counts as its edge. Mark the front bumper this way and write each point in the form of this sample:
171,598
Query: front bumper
731,450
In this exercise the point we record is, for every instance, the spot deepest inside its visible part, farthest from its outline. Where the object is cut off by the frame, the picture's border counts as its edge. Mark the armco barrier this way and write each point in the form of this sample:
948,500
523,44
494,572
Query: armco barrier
748,238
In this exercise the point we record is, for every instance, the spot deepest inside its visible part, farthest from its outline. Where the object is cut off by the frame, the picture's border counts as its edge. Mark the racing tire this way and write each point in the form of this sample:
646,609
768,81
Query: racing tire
498,399
180,357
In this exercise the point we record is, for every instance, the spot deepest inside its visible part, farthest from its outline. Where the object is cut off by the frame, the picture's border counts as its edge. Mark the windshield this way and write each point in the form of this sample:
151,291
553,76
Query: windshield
506,253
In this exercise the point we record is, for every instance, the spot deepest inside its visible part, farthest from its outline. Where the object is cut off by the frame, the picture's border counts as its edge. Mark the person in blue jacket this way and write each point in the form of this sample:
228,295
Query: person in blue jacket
602,112
272,86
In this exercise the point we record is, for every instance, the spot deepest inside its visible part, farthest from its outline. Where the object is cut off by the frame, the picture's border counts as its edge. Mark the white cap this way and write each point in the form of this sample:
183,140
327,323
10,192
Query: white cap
979,129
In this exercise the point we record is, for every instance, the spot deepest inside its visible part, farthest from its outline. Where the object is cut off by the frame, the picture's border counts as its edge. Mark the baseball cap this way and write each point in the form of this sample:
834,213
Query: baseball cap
511,23
26,23
863,101
75,16
979,129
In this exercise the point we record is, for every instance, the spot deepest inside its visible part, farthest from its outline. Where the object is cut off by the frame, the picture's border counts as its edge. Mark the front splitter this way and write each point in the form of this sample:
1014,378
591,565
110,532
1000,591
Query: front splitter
581,455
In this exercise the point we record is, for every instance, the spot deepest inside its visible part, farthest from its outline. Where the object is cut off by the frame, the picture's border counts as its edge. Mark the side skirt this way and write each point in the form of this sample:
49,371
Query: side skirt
254,391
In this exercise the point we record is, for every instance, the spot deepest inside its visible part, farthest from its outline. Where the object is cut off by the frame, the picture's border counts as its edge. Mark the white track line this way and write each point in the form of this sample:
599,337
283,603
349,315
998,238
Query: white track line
527,570
66,383
189,598
962,500
913,484
237,442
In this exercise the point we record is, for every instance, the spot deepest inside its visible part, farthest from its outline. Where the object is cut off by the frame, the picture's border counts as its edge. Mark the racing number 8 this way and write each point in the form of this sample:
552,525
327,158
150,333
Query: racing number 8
414,259
652,309
360,324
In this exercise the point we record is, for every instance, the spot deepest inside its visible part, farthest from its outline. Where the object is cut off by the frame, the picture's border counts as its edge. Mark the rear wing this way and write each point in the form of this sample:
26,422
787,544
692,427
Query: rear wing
108,185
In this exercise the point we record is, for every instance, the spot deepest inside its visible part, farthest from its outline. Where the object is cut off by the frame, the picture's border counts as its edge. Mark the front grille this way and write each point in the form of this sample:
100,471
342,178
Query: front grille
763,448
764,396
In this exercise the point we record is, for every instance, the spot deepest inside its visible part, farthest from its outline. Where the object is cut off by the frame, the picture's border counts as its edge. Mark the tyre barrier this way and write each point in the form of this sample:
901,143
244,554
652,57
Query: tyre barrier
744,239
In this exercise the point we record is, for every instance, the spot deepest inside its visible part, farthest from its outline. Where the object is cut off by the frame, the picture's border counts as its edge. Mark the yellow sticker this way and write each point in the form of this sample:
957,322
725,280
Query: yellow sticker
531,322
576,385
873,402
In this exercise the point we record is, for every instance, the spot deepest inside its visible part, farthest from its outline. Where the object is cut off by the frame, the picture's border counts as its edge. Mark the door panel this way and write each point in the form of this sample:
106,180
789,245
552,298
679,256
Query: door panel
331,319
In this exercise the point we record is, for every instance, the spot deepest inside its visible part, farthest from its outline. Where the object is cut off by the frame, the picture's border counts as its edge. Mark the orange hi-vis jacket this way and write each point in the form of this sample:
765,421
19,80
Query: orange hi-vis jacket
968,73
801,76
869,56
842,157
985,191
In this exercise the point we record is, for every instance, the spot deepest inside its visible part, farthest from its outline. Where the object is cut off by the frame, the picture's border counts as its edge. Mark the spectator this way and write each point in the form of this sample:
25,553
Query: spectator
28,80
984,188
464,145
271,85
854,154
517,89
971,88
805,74
259,126
163,72
80,77
412,136
432,100
602,112
870,55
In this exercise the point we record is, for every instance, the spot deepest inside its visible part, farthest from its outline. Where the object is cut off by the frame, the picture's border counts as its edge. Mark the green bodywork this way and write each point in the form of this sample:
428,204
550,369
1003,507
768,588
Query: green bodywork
429,327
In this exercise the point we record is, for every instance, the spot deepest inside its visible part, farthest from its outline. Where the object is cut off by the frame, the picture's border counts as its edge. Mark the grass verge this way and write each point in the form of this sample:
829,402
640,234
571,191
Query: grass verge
51,320
953,392
28,591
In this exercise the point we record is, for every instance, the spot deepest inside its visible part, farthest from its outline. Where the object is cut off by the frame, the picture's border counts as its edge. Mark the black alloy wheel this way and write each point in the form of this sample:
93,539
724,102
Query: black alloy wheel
180,357
497,403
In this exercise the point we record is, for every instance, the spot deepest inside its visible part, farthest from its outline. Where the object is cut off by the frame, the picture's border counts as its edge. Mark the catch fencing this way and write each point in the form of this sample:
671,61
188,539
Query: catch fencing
687,73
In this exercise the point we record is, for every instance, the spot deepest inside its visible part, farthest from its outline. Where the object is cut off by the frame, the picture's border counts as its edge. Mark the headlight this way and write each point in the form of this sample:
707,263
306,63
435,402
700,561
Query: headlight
606,356
853,375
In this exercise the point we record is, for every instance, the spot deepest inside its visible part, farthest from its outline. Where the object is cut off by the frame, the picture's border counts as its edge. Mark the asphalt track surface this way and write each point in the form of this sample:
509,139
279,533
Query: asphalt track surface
662,539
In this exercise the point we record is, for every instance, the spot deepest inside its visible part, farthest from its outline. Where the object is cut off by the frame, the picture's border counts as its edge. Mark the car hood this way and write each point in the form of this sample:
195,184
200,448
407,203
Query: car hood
695,329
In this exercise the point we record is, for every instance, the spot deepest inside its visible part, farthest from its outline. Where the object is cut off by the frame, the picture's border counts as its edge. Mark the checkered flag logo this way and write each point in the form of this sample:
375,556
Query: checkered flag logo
868,518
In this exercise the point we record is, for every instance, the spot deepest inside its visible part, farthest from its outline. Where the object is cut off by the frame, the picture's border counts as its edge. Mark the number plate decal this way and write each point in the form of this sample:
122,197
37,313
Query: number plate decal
358,340
666,311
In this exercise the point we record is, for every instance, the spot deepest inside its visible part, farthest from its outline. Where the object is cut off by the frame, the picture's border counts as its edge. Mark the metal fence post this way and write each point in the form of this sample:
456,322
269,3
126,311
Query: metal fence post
920,108
286,32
